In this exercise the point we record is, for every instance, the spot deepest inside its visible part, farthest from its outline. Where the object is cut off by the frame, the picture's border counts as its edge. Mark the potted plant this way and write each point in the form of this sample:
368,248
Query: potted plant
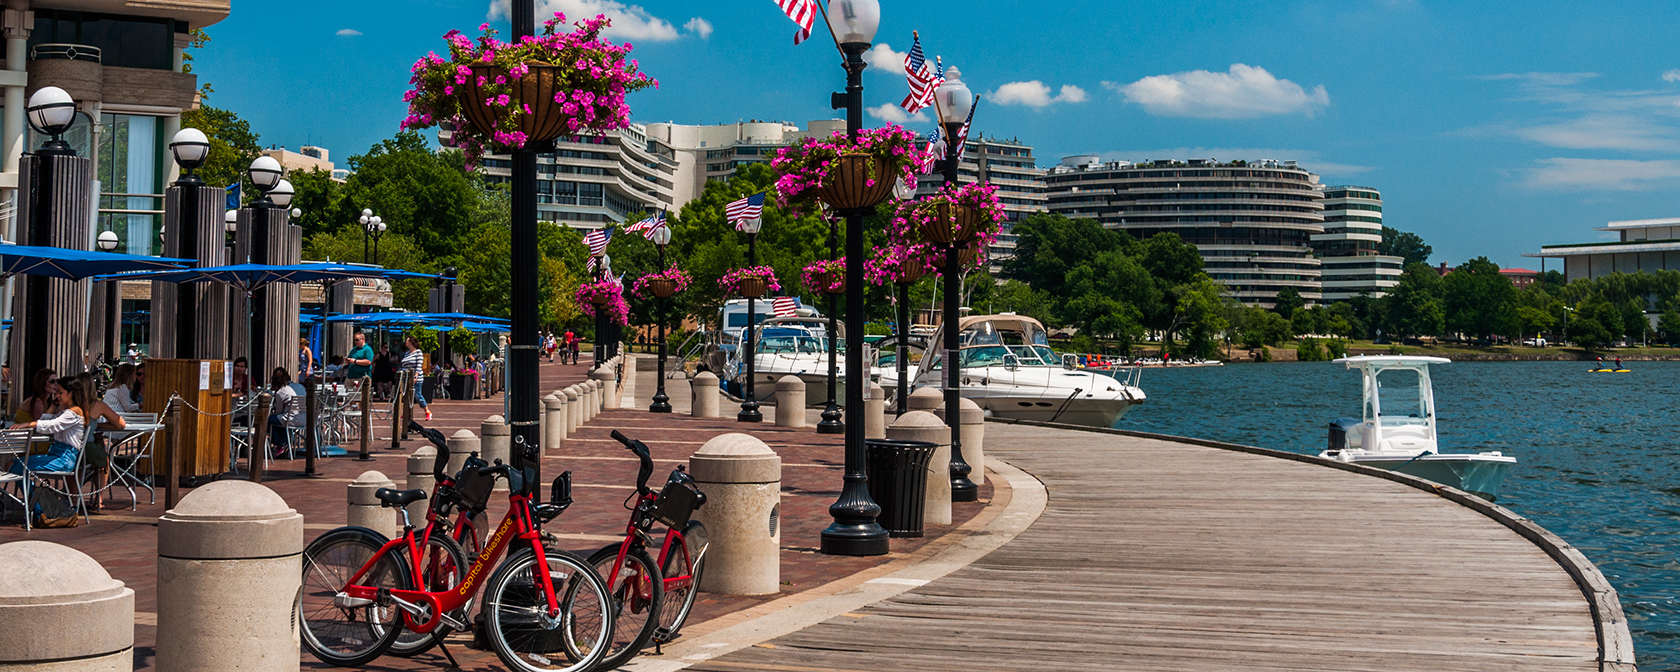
825,276
664,284
844,173
899,263
605,295
958,215
751,282
504,95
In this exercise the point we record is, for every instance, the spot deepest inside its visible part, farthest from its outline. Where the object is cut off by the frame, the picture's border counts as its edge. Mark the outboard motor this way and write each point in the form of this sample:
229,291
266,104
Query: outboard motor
1339,429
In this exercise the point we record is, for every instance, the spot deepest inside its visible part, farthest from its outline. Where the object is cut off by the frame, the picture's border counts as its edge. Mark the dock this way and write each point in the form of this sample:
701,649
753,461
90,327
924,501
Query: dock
1155,554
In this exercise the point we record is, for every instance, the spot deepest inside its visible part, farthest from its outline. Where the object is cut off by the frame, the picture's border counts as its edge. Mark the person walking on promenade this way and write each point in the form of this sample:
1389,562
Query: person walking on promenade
414,361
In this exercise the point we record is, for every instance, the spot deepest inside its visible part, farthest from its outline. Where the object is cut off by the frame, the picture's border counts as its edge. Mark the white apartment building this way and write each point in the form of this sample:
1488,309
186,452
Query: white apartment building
1009,166
1348,260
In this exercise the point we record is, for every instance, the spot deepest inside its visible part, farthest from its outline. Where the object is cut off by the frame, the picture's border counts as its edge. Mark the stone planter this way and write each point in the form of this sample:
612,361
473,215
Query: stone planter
546,121
847,186
752,288
663,288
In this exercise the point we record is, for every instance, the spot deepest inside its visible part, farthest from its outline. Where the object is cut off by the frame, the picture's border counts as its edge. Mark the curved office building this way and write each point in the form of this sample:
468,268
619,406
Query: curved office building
1254,222
1348,247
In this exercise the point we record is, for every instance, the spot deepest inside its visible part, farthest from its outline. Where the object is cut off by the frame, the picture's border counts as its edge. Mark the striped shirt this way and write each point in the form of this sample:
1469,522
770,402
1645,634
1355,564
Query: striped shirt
415,361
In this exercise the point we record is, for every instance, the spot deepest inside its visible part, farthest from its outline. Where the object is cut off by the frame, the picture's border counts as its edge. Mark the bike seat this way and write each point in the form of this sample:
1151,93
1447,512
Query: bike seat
391,497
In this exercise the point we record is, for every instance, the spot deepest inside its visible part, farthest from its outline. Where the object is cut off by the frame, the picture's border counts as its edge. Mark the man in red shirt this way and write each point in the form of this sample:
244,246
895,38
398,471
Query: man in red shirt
571,346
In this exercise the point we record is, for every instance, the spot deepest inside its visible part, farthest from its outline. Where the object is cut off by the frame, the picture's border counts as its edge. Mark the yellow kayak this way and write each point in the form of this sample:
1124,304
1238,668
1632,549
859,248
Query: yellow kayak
1609,370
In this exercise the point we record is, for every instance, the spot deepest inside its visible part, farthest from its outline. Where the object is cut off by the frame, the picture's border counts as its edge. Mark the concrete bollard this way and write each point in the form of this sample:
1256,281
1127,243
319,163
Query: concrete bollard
607,378
546,437
875,413
704,389
586,397
365,510
973,432
560,416
626,378
925,426
594,398
925,399
63,611
420,477
495,440
742,479
574,406
460,447
790,402
230,567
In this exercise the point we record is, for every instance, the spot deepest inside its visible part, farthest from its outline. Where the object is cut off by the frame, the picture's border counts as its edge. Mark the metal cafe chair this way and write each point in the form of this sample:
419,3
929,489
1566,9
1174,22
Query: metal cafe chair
14,444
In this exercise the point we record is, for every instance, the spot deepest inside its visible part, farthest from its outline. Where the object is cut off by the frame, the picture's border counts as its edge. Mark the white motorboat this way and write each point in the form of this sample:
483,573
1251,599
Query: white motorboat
1008,368
1397,432
789,345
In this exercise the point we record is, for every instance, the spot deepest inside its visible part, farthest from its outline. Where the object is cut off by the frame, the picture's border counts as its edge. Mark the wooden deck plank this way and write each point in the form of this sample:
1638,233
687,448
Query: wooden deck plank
1160,555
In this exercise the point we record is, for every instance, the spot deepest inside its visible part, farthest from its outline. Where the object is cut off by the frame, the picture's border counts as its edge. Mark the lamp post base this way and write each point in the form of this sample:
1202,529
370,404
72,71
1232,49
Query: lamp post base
831,420
964,490
661,403
749,412
854,530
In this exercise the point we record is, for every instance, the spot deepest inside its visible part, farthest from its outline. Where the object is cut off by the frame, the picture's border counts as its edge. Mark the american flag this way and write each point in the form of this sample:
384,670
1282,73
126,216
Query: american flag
803,12
962,134
934,152
922,79
744,209
648,225
597,241
784,306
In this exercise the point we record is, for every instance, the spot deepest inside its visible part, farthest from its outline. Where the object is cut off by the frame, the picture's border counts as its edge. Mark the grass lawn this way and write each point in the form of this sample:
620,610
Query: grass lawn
1555,351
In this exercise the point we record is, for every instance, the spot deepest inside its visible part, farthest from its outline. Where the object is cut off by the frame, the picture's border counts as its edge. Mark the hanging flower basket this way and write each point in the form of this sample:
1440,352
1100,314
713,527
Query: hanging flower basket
663,285
967,258
750,283
899,264
844,173
499,95
605,295
959,216
825,276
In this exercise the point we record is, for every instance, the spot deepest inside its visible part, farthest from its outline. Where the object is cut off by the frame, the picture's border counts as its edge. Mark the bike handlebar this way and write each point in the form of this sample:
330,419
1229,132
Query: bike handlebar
641,451
441,462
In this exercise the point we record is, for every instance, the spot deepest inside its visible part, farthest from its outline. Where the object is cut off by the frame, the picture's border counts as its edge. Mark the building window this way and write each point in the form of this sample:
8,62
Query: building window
123,41
129,169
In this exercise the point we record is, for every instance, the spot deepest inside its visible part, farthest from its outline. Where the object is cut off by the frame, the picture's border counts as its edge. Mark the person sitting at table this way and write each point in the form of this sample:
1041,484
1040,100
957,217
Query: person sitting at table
120,395
43,394
241,377
335,369
287,410
101,416
139,387
67,426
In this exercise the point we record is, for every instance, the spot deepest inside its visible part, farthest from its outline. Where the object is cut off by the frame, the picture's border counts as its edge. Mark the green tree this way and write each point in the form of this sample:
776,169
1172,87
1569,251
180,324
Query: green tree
1262,327
1478,300
1413,308
1288,301
1404,244
1200,303
395,251
233,145
1049,246
1103,296
318,196
425,195
1669,325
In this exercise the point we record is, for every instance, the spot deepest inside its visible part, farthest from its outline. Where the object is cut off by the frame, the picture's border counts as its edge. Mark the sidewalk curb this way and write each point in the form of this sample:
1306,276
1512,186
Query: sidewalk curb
995,526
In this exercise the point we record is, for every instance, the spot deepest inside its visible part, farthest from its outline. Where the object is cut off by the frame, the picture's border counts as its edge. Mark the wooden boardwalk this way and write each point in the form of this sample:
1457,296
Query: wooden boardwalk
1156,555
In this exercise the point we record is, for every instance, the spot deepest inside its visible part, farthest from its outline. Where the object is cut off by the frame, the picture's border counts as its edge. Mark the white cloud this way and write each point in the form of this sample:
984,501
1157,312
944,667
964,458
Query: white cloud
1309,159
1035,94
348,32
882,57
1586,118
1604,174
895,114
699,26
1244,92
1671,76
629,22
1602,131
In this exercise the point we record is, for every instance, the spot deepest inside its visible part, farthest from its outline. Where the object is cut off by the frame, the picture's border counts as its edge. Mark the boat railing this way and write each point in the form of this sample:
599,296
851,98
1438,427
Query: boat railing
689,353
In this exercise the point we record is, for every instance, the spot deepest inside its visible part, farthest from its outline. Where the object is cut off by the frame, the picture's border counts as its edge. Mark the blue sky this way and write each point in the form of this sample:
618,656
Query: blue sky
1490,128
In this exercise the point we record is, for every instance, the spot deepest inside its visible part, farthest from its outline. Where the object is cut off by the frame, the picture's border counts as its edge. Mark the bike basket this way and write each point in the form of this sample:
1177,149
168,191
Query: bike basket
473,490
676,503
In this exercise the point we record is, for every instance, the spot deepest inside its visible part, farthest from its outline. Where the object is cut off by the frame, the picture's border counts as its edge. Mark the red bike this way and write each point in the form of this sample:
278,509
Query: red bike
464,497
652,599
546,609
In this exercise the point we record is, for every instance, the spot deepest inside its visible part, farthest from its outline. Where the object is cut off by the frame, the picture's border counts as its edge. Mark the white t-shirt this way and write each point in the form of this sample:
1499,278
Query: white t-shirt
121,400
66,427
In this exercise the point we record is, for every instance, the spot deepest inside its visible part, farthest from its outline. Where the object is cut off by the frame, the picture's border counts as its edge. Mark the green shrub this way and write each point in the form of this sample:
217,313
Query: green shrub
462,341
1308,350
426,338
1338,347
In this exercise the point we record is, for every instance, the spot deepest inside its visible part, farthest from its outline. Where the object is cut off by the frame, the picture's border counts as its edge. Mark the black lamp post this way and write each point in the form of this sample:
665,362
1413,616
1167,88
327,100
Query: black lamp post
661,402
603,270
831,417
264,174
749,400
373,226
955,101
903,191
51,112
113,289
230,223
854,530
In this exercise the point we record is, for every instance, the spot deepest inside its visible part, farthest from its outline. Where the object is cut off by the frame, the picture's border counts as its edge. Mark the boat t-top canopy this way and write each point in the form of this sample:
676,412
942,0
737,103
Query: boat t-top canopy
1391,361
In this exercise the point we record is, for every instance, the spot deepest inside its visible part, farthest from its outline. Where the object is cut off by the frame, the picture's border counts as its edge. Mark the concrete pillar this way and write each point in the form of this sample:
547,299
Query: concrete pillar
461,445
553,426
790,402
49,315
496,440
62,611
875,413
420,477
365,510
973,433
592,408
925,399
230,564
704,389
606,378
546,420
742,479
629,377
560,413
574,408
193,318
925,426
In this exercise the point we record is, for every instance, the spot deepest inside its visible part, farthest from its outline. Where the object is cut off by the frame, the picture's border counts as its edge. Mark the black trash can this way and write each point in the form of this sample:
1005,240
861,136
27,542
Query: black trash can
898,483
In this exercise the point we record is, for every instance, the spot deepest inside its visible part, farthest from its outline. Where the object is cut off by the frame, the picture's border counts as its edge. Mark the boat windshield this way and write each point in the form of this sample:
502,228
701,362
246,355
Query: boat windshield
1405,397
788,341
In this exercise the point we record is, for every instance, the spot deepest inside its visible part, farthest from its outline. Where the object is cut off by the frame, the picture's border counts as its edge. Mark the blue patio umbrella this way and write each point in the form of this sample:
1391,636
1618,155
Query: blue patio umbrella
58,262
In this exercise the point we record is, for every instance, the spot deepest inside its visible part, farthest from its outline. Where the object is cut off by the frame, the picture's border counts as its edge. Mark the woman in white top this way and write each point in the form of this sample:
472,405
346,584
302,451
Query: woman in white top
66,424
120,396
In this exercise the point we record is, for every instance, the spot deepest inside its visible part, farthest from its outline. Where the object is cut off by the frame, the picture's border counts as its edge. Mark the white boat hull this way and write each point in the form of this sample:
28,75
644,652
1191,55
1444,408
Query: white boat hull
1476,473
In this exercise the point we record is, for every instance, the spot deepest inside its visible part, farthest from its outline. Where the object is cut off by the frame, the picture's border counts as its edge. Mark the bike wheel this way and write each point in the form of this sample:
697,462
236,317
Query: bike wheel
635,600
673,611
442,569
348,635
516,623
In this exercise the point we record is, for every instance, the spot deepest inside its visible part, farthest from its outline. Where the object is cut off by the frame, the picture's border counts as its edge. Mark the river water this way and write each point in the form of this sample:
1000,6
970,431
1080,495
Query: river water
1598,453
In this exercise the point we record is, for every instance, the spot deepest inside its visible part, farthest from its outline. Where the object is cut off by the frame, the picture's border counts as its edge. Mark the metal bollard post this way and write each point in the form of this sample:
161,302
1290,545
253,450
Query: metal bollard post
172,452
396,411
367,418
259,435
310,417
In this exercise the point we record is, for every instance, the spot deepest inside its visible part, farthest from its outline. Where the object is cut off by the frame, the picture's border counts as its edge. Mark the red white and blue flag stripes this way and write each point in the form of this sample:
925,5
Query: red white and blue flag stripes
923,80
803,12
962,134
744,209
648,225
784,306
597,241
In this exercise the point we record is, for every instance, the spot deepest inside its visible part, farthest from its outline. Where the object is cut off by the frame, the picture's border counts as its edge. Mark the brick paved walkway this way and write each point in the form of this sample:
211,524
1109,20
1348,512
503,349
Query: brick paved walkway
124,541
